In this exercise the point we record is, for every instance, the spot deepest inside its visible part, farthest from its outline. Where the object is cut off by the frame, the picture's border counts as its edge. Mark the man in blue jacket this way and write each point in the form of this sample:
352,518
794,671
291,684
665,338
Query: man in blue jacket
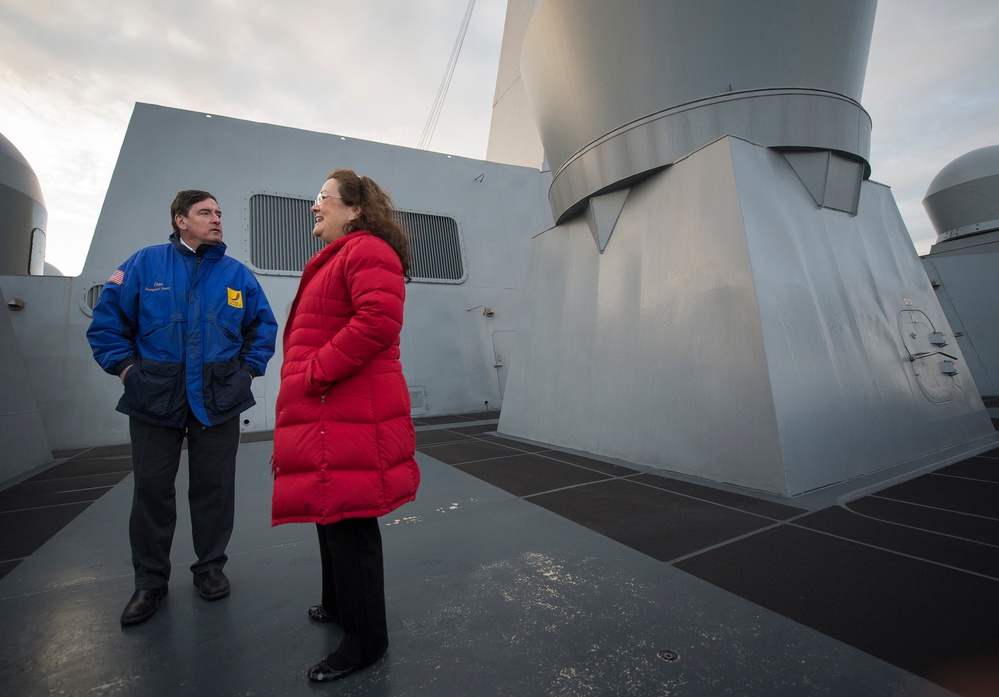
186,329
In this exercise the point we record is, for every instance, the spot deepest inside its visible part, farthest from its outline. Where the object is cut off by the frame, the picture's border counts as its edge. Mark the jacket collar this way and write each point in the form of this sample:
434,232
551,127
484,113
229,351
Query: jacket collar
205,251
336,244
320,258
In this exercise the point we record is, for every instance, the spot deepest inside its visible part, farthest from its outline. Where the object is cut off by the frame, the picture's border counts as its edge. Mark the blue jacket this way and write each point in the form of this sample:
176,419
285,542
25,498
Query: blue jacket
196,327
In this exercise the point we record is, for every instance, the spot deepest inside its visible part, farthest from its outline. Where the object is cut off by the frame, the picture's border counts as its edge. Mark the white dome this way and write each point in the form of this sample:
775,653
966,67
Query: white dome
23,216
963,199
16,173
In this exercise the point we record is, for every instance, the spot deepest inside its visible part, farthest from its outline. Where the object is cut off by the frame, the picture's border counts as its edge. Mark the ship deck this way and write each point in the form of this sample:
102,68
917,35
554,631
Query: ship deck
525,570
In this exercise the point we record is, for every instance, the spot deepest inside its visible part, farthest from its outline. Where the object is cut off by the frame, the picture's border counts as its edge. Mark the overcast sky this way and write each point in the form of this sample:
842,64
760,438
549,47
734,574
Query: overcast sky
71,71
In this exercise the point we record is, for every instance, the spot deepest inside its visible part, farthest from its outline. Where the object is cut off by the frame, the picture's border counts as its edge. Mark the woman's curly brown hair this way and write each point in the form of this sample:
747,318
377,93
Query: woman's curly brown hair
377,213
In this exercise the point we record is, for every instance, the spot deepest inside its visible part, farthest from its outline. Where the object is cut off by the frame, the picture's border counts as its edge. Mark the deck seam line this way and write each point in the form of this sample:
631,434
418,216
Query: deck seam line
898,553
913,527
932,508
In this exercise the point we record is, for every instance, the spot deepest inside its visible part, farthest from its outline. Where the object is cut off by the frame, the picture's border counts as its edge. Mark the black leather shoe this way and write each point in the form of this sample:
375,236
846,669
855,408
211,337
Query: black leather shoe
322,672
317,613
334,668
212,584
142,605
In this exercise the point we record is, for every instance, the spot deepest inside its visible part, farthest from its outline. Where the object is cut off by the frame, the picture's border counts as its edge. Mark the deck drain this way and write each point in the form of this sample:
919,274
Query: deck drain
668,655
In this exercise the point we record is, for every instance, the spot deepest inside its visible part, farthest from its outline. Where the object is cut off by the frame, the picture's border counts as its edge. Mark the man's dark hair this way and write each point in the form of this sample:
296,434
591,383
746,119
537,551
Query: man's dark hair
182,204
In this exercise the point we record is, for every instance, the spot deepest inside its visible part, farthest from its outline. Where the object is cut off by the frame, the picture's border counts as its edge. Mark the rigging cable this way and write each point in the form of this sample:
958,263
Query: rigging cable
435,111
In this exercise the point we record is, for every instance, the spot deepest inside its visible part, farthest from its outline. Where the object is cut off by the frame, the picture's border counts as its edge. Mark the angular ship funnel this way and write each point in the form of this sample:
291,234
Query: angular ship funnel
621,92
724,294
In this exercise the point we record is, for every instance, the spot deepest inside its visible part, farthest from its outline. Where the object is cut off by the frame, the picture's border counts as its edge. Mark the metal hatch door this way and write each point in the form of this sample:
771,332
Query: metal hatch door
935,370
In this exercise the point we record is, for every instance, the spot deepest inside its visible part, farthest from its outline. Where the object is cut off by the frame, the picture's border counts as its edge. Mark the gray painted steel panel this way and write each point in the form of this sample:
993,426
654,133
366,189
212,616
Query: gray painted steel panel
772,73
448,347
962,202
23,436
779,118
513,137
733,331
967,283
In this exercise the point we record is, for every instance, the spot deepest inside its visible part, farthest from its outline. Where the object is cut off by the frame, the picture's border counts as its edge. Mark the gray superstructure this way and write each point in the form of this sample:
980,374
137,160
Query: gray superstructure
962,202
726,294
460,314
723,273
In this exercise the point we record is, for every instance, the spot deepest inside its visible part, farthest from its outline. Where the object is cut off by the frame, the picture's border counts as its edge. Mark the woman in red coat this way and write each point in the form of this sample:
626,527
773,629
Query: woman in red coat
343,439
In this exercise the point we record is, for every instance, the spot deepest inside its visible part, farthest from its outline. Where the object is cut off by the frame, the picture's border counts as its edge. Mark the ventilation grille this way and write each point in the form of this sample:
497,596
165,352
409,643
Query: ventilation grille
280,240
436,247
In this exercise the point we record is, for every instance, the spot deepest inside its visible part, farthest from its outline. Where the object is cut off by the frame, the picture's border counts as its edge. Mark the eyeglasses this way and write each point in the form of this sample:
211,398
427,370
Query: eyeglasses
322,196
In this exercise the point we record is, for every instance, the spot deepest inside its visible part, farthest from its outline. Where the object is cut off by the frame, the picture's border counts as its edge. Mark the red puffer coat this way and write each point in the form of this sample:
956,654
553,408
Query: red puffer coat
343,439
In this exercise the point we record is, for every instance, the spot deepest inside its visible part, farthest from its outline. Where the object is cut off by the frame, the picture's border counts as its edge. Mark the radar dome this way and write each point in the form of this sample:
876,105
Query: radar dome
963,199
22,215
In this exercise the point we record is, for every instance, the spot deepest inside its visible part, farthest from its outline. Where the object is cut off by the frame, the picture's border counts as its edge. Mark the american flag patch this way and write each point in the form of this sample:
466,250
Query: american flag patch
117,277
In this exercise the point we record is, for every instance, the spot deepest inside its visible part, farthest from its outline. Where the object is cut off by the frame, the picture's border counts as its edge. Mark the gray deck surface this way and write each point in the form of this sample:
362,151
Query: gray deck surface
518,571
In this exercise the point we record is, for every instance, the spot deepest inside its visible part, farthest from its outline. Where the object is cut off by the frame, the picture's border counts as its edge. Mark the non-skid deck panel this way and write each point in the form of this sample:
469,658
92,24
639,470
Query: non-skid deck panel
925,517
525,474
24,531
708,530
86,466
455,418
34,510
984,468
56,492
98,451
487,595
973,497
479,430
929,540
471,450
526,447
438,436
964,554
747,504
914,614
589,463
659,523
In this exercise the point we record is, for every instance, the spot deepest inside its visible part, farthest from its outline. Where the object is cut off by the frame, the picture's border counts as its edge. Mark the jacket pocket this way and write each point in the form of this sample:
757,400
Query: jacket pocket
228,386
156,388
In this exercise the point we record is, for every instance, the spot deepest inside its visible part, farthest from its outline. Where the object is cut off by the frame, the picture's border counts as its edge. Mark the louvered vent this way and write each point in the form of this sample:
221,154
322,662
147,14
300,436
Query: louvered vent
281,241
280,233
438,256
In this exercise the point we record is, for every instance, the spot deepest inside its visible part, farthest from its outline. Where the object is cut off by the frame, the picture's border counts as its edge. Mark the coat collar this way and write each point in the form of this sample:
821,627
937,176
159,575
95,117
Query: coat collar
206,251
313,266
326,253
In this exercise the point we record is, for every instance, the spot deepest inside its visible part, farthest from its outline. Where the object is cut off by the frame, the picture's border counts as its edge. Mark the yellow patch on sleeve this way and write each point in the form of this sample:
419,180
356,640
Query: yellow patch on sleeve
235,297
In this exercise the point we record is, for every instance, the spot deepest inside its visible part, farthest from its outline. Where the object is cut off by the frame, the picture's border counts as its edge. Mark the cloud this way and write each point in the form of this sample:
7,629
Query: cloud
367,70
932,92
70,76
